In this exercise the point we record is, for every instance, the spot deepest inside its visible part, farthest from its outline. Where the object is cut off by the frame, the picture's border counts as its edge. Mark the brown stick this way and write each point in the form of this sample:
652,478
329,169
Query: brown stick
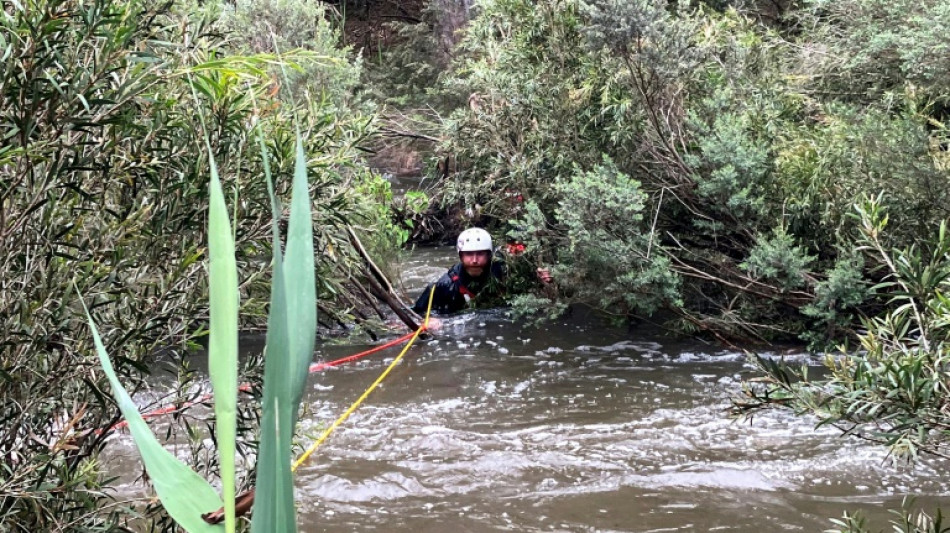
242,504
391,301
380,286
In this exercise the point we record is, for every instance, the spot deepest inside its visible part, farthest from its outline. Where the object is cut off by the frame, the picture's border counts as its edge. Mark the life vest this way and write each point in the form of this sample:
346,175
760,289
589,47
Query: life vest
463,290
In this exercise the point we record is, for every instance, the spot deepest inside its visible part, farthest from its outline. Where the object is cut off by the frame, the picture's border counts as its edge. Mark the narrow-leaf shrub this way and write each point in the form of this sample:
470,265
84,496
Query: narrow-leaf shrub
103,185
891,388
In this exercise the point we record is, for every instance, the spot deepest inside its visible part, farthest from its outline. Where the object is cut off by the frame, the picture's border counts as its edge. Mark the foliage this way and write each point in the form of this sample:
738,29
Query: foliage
405,72
291,328
731,161
863,49
907,520
778,259
535,308
829,163
844,290
325,72
617,91
522,130
182,491
717,120
85,197
101,184
893,390
611,263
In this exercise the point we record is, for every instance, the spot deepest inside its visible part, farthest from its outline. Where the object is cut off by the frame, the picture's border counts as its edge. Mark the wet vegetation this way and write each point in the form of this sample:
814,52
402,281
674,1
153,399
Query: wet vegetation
745,171
741,146
104,185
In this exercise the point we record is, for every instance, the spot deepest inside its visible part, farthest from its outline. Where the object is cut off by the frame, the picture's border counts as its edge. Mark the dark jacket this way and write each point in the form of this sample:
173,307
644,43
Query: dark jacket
456,290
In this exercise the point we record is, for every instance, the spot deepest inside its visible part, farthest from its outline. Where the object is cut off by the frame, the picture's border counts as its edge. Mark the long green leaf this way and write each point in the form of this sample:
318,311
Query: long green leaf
274,510
223,339
300,282
184,494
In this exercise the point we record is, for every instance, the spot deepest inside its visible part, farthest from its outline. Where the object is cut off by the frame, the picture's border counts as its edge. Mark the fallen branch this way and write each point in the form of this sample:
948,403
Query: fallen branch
379,286
242,504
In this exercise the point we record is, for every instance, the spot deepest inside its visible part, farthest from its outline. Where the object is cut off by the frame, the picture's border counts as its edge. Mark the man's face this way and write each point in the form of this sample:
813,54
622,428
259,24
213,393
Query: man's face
475,263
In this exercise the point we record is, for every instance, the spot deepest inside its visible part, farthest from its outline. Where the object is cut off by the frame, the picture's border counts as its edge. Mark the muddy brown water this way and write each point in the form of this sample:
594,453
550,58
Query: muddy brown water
577,426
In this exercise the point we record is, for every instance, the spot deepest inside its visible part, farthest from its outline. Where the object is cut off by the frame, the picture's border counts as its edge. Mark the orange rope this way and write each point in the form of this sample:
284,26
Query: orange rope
317,367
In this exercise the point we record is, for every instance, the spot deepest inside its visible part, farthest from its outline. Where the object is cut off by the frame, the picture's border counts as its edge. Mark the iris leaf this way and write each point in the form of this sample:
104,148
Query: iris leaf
223,339
184,494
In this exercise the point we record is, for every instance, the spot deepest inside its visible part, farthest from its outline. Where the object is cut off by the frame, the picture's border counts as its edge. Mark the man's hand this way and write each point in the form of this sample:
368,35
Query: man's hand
434,324
545,275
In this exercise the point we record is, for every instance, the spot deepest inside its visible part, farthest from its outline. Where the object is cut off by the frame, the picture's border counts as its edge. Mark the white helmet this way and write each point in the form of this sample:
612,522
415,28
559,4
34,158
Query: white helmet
474,240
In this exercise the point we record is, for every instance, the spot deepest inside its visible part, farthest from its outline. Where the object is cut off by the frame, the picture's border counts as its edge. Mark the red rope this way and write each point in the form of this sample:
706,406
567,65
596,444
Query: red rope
246,387
317,367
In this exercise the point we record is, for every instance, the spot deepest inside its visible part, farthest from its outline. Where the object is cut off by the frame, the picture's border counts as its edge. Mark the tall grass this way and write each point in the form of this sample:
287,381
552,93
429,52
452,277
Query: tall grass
290,337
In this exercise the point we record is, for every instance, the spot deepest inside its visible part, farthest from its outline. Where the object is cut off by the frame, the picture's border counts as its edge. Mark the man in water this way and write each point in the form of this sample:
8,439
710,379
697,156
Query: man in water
478,277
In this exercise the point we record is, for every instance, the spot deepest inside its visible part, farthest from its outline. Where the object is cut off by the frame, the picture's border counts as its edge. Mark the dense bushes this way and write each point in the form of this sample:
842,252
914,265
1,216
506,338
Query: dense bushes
324,71
614,264
103,189
84,202
748,150
894,390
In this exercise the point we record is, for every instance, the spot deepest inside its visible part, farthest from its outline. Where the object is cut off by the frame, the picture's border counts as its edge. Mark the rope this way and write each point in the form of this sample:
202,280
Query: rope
246,500
317,367
365,394
246,387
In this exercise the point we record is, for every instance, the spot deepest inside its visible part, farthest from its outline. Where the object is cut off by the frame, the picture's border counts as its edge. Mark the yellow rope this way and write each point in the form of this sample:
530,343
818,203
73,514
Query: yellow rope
375,384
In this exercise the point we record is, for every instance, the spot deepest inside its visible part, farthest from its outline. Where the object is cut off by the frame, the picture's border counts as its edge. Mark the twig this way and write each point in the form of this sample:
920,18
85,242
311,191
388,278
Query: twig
390,132
380,286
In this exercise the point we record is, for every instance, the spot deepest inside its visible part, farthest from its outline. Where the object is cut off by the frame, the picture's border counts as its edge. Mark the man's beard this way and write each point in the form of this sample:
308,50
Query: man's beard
475,272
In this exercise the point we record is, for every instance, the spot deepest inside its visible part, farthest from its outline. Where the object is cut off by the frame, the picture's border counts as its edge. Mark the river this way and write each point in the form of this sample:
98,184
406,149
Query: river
577,426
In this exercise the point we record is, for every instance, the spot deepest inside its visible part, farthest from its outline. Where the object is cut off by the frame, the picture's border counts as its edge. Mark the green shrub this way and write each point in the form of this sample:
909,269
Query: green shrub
827,165
603,250
844,290
894,389
730,161
326,71
95,190
102,184
860,50
778,259
405,71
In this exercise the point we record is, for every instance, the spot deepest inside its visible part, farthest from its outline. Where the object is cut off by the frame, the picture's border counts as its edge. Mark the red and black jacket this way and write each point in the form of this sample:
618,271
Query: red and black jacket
456,290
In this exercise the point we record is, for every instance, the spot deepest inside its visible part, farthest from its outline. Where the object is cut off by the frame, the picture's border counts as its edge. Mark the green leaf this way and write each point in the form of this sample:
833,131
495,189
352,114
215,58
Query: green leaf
299,271
223,339
274,510
184,494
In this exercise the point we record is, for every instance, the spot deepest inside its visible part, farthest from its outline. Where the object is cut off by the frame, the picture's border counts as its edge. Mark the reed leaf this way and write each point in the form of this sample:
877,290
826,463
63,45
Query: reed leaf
273,511
184,494
223,339
293,308
299,270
